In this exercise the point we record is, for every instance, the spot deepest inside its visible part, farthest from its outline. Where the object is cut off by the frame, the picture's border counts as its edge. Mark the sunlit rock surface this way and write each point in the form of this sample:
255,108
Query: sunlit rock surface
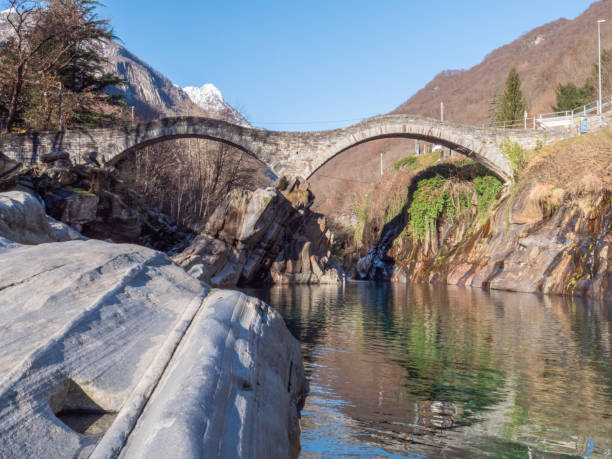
264,236
110,349
23,220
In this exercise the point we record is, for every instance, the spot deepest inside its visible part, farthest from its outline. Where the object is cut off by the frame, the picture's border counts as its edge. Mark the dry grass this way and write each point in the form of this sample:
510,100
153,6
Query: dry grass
579,166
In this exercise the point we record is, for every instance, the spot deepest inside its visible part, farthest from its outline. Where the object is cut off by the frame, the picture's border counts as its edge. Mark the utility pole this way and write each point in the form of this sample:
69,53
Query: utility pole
599,52
59,109
442,111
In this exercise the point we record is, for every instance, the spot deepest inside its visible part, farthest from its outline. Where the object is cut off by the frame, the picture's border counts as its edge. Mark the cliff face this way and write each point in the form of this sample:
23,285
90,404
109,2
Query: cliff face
550,232
150,93
530,244
262,237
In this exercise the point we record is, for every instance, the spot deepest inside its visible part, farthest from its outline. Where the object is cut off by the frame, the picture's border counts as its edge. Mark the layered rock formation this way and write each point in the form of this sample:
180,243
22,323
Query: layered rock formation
263,236
534,242
111,350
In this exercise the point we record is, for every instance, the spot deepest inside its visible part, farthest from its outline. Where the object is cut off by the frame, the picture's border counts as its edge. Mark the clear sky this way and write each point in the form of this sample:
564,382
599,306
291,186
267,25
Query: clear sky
305,65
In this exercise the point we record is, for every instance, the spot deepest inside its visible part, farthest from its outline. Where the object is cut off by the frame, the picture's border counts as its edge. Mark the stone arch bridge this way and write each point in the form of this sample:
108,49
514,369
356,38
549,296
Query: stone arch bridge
285,153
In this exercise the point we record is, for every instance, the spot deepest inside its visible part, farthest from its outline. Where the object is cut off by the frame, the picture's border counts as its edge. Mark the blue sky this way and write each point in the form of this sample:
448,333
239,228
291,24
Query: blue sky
305,65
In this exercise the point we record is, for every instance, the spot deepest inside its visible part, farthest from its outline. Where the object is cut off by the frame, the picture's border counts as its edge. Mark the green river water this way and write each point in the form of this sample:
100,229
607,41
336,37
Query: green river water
436,371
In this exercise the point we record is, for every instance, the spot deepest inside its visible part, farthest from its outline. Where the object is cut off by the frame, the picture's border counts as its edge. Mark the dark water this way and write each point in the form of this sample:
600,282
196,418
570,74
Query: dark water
431,371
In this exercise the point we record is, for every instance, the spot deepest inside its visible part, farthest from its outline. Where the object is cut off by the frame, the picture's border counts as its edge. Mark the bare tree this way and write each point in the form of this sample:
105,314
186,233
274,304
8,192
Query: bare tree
187,178
52,42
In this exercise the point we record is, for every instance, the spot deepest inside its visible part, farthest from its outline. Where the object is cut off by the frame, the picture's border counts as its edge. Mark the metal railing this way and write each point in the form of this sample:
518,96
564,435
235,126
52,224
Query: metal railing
543,120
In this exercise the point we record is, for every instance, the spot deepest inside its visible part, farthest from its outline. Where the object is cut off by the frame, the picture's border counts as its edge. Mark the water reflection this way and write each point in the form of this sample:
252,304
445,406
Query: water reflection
430,371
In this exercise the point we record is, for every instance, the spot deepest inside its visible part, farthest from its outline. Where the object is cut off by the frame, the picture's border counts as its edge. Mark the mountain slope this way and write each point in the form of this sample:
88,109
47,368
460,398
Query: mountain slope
150,93
558,52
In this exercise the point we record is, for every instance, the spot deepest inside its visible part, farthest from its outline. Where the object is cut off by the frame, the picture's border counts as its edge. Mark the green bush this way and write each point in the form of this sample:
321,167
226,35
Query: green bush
486,188
432,200
516,156
409,161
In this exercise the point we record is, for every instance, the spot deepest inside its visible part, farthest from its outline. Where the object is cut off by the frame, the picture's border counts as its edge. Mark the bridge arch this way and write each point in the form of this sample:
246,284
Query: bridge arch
285,153
425,138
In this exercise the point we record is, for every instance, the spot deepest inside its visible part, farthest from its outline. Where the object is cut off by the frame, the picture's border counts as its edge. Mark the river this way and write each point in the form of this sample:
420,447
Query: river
436,371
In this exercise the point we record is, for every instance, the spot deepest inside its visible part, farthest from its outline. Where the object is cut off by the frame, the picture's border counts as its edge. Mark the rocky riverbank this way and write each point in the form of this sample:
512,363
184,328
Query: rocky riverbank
267,236
113,350
91,199
261,237
550,232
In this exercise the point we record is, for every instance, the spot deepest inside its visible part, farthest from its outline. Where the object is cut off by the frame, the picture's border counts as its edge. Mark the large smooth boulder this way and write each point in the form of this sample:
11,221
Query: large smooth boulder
23,220
111,349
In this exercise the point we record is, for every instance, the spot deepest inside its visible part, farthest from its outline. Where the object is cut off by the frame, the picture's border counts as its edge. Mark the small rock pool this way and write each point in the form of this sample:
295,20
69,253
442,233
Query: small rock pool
436,371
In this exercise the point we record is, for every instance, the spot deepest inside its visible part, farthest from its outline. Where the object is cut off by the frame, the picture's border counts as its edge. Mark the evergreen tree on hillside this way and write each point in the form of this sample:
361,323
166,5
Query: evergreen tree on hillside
493,112
512,105
570,96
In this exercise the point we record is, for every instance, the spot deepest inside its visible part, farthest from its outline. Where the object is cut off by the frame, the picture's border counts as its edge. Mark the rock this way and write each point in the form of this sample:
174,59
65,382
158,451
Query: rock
62,175
258,237
238,359
199,272
332,276
23,220
213,253
63,232
8,167
316,268
54,156
533,204
73,207
305,258
114,220
112,350
258,216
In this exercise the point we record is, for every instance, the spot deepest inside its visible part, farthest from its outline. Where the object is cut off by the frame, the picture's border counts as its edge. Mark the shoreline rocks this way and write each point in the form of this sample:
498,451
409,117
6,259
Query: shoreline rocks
263,237
534,242
119,333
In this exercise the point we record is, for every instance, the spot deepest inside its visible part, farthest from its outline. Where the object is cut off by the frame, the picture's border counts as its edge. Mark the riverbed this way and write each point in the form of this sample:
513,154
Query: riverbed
437,371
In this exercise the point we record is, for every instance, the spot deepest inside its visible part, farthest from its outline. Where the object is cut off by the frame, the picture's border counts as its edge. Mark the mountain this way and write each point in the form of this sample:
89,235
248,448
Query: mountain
209,98
562,51
150,93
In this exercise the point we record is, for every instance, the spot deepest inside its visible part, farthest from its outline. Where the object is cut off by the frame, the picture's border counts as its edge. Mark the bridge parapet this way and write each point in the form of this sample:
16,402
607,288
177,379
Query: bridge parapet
285,153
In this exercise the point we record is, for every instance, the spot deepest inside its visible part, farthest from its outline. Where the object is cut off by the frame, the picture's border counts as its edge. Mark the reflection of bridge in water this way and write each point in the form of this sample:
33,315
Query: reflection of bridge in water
285,153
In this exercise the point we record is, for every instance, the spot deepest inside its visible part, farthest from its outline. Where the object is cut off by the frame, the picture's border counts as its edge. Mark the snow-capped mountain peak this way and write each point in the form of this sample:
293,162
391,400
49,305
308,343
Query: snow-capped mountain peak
210,99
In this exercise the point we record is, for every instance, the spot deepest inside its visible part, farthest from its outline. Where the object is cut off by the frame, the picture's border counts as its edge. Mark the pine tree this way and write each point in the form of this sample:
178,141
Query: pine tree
513,104
570,96
493,112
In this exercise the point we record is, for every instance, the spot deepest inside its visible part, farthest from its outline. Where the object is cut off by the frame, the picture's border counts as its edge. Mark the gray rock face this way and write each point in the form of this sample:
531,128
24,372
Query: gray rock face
226,382
151,93
262,236
111,349
75,208
23,220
